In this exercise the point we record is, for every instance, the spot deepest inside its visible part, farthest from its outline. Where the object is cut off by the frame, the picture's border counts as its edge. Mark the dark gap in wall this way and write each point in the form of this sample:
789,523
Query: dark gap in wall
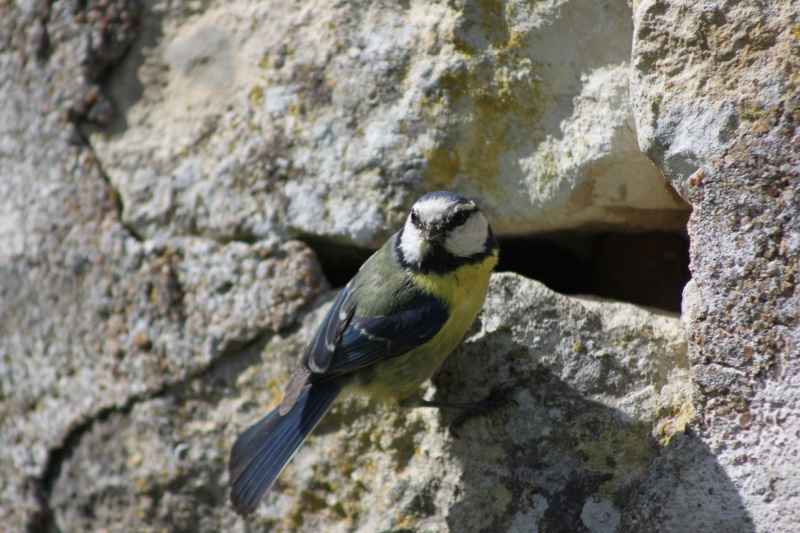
647,269
340,262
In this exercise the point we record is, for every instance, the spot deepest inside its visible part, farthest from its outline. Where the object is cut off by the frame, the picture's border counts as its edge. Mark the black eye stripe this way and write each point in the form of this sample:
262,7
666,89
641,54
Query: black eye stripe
452,218
459,218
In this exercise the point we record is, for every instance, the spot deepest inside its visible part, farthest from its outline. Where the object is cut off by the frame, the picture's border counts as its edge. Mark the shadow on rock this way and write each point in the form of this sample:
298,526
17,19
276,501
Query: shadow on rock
559,462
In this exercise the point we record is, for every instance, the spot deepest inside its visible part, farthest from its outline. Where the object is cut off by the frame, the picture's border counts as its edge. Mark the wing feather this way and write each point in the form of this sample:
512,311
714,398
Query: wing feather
347,341
320,350
368,340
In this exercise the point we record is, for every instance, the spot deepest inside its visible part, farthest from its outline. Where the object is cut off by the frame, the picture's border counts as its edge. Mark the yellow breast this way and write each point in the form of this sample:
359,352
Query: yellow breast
464,291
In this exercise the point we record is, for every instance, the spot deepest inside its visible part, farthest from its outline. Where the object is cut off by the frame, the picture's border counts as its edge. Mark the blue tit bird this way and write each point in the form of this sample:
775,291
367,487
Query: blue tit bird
387,331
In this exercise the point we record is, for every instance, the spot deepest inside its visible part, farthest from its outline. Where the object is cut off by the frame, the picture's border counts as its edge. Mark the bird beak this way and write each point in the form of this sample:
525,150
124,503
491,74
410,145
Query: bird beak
433,233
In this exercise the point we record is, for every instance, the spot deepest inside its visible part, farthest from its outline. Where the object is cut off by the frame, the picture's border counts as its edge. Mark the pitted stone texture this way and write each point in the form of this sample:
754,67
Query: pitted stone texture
253,119
601,392
704,74
715,89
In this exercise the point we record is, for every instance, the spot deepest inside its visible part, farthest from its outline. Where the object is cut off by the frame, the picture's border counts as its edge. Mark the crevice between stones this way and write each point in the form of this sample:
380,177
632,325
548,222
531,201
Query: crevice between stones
236,358
648,269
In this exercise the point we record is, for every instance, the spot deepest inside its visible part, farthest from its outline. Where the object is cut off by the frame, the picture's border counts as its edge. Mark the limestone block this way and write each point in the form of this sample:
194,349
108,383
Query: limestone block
715,90
248,119
601,392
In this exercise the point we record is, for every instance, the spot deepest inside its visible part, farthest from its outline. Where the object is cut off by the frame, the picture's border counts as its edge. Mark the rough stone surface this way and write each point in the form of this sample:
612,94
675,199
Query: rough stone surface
705,74
157,158
601,390
56,214
718,106
243,119
92,318
742,312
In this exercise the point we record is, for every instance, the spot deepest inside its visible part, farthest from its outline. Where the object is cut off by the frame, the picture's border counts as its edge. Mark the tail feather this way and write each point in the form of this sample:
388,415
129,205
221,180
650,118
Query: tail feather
260,454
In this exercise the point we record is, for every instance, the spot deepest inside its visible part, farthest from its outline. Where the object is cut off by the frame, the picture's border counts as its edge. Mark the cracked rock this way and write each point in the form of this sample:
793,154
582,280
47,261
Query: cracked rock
601,396
371,103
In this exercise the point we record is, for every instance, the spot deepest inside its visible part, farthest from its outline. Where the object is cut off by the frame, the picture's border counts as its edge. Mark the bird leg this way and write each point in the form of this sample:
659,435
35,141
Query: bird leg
499,396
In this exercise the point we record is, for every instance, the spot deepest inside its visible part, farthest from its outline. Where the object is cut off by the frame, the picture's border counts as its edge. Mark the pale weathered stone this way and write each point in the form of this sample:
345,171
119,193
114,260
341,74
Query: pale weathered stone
706,74
331,118
715,90
92,318
595,384
79,342
149,289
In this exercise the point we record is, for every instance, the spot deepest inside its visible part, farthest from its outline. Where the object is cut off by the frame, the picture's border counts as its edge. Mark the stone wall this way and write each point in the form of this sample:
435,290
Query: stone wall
165,164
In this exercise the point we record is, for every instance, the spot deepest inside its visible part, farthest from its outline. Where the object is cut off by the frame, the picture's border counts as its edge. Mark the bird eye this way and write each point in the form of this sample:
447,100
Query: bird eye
460,217
414,218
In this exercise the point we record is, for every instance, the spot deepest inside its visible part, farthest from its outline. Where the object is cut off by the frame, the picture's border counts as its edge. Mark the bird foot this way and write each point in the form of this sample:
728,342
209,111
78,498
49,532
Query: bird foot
498,397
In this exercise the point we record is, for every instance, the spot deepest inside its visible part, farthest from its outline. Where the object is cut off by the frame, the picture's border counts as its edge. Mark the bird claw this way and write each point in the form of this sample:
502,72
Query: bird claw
498,397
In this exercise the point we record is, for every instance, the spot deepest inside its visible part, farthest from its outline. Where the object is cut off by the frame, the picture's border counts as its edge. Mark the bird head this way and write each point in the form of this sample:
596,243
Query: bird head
443,222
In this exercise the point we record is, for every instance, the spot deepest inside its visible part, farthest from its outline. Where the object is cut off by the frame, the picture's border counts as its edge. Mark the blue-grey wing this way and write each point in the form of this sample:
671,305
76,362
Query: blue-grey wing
319,352
368,340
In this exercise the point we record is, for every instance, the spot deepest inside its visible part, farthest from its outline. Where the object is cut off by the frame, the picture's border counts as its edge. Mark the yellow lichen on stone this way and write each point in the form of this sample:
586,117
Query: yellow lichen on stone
275,387
623,450
256,95
443,165
675,410
667,427
749,111
492,14
548,169
406,522
500,500
494,98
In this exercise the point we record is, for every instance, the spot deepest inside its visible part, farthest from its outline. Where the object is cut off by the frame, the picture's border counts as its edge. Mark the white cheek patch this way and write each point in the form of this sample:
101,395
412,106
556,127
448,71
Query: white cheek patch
469,238
413,244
